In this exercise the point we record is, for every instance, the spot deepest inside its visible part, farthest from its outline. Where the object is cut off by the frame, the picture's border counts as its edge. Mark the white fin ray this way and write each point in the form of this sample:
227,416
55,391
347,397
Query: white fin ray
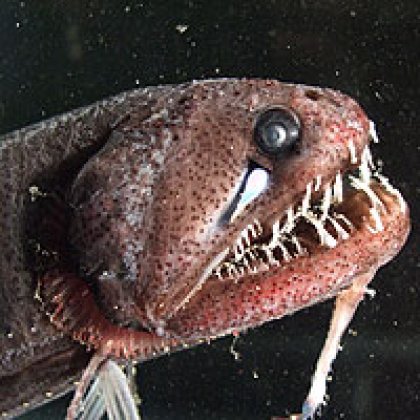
110,394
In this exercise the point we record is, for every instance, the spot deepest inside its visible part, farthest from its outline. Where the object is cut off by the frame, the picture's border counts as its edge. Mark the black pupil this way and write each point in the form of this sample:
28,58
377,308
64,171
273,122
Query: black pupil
277,131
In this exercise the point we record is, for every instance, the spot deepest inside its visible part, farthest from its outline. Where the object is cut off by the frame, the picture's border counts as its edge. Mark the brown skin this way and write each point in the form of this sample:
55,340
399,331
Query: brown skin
145,209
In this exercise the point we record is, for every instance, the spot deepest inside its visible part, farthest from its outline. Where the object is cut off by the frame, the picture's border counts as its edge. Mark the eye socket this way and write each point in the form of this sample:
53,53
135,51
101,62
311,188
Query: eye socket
277,131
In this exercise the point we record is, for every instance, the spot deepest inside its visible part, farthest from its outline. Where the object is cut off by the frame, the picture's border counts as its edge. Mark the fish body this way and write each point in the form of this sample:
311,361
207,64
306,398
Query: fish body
156,250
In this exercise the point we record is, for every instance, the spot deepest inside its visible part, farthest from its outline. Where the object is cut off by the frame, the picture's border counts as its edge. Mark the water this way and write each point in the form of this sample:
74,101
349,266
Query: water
58,55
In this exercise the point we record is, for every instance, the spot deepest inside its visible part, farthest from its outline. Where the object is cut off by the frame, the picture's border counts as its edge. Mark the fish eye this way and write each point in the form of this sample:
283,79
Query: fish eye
277,131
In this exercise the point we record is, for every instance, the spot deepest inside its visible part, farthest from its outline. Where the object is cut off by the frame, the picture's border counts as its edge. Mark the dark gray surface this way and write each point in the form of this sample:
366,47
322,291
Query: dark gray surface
57,55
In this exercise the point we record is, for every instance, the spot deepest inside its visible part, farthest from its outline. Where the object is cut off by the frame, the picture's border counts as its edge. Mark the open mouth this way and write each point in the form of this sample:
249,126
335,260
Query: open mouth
327,214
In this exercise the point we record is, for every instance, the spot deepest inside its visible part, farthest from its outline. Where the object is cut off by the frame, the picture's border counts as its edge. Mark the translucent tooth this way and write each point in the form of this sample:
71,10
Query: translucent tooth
244,235
369,158
339,229
360,185
252,230
275,232
230,269
372,132
326,202
289,224
338,188
324,236
377,219
285,252
290,216
297,245
270,255
366,164
392,190
306,201
343,218
239,250
352,149
318,181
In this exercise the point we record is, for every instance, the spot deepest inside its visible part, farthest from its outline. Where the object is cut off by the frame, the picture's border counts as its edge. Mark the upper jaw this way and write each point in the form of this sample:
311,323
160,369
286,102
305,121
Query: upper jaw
325,207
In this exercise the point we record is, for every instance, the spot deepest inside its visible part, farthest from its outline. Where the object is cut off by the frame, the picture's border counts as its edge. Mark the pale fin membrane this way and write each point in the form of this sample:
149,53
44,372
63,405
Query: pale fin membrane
108,395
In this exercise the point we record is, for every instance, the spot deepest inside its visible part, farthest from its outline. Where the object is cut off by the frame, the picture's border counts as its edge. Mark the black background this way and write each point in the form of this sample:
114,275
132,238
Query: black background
57,55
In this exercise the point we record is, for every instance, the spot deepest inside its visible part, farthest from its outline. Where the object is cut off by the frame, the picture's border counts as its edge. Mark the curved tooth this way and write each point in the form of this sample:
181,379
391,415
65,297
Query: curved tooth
377,219
286,255
297,245
270,255
352,150
318,182
343,218
244,235
338,228
306,201
372,132
360,185
326,202
252,230
325,237
366,165
392,190
239,250
258,226
338,188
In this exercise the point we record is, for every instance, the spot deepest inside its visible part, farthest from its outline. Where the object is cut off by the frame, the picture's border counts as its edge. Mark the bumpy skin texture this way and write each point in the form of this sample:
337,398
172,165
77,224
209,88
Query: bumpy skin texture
147,205
149,175
35,357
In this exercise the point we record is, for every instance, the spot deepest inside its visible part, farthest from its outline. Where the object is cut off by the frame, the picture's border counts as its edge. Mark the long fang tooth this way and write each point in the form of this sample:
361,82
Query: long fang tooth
377,219
366,164
339,229
276,232
392,190
306,201
360,185
338,188
352,149
326,202
324,236
368,157
372,132
318,181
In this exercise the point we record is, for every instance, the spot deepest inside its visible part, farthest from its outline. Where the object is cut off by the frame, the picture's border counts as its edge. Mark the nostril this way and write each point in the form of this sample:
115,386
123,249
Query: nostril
314,95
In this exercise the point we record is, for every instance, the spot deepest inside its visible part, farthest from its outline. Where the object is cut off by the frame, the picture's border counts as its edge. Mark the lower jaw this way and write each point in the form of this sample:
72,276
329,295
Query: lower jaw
226,306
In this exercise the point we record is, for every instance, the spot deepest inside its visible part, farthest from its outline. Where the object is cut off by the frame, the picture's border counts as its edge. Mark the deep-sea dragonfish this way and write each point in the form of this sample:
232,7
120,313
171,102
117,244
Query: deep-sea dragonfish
168,216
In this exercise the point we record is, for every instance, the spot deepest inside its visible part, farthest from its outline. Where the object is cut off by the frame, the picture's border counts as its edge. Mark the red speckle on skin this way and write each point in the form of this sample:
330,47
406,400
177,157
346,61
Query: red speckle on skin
148,208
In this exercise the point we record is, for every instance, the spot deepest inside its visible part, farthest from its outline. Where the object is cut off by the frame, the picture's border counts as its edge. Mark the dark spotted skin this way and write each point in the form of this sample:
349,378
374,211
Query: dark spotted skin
148,215
146,177
36,358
